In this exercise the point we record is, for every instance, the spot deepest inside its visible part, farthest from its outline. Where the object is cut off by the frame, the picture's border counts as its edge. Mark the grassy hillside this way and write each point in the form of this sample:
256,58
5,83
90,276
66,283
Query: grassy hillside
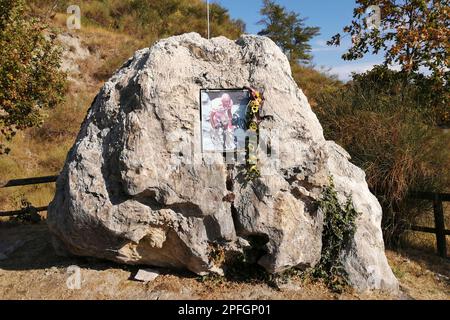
148,20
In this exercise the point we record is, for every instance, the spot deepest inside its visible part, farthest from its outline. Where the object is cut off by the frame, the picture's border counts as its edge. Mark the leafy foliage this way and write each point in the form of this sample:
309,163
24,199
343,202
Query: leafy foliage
412,33
288,31
30,80
338,231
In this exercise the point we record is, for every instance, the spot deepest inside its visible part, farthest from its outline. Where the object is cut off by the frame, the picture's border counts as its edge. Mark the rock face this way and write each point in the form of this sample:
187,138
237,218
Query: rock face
137,189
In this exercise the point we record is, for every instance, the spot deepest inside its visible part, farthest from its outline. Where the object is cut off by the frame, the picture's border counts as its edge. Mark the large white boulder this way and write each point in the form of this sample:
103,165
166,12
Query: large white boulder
137,189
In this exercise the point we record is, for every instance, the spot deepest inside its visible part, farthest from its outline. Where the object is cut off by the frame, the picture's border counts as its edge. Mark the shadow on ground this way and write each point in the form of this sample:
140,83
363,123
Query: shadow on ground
27,246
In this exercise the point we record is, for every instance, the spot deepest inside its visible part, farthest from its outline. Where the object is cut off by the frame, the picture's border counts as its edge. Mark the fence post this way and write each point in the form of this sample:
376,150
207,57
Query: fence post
440,226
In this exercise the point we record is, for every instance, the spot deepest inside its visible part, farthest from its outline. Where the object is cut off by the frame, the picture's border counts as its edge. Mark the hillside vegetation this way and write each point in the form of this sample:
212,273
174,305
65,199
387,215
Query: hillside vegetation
148,20
111,31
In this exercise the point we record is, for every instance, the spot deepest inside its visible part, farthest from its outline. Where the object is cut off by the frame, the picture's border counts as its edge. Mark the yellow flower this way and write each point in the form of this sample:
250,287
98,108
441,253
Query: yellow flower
254,170
252,159
253,126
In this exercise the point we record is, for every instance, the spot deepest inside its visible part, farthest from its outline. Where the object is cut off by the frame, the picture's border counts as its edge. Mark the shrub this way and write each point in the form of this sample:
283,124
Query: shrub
30,80
415,92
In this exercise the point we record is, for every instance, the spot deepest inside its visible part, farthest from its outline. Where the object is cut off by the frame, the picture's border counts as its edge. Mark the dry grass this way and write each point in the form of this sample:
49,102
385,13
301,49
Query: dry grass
422,276
392,143
426,242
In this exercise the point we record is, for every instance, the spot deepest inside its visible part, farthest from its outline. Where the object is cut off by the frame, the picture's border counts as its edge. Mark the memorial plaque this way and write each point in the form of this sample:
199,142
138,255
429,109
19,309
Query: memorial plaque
223,119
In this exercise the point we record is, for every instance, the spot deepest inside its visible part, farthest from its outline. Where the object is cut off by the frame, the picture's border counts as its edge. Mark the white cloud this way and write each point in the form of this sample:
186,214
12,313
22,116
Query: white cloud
344,71
326,49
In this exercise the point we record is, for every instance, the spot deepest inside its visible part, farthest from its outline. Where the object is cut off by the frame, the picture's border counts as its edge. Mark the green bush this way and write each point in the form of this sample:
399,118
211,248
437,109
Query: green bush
30,80
314,83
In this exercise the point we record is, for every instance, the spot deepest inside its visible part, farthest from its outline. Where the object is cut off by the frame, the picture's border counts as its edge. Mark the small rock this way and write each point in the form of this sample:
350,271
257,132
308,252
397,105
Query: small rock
288,286
441,277
146,275
51,271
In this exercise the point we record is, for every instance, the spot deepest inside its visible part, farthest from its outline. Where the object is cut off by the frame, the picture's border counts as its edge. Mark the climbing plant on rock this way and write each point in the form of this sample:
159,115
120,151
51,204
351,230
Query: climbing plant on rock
338,230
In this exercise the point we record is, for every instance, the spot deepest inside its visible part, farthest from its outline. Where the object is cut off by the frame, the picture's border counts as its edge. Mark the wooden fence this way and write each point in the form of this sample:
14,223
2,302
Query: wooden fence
437,198
26,182
439,221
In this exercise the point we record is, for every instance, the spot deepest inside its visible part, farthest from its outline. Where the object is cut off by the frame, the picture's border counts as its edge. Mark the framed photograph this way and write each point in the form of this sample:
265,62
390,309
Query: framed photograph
223,119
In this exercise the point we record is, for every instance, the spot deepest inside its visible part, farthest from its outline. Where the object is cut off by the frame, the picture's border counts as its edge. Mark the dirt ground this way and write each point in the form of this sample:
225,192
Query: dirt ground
29,269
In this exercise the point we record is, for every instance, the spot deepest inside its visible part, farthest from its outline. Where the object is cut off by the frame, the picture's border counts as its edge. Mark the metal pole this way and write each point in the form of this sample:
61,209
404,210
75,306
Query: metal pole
207,16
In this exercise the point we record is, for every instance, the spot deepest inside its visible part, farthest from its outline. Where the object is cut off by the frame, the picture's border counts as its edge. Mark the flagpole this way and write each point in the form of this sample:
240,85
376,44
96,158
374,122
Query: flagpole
207,17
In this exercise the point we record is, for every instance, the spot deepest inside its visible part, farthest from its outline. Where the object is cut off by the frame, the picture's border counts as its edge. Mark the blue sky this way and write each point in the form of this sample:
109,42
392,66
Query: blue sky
330,15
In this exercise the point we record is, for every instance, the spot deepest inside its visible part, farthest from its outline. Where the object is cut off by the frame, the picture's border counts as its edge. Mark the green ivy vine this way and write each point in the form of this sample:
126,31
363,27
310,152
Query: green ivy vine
338,230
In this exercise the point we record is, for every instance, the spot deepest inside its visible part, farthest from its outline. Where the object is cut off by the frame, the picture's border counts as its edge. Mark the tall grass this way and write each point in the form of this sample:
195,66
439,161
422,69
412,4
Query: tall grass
40,152
390,135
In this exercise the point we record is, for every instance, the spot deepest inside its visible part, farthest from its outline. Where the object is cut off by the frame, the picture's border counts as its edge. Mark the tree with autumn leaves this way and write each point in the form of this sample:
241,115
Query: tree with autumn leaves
412,34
